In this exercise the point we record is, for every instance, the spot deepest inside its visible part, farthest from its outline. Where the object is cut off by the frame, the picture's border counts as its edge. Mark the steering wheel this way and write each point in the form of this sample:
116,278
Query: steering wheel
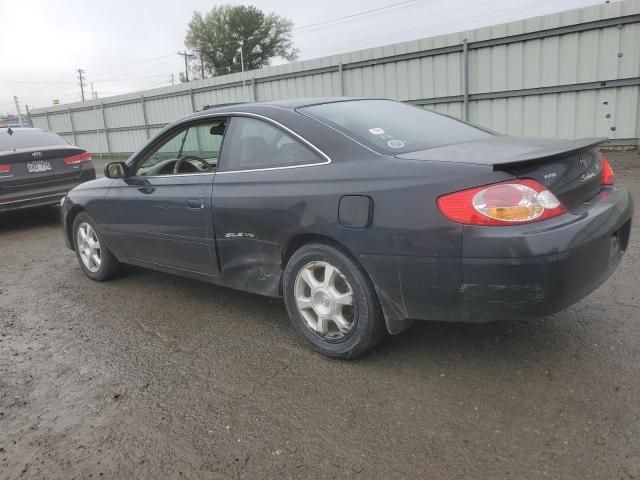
176,167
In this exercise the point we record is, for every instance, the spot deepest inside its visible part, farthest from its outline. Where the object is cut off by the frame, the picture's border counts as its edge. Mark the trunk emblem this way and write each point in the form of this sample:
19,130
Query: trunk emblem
36,154
582,162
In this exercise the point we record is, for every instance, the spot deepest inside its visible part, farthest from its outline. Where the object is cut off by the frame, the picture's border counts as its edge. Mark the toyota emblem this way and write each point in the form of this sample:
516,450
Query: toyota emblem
582,162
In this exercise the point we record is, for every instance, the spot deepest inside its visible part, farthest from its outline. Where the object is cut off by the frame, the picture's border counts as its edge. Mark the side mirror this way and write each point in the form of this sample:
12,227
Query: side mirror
115,170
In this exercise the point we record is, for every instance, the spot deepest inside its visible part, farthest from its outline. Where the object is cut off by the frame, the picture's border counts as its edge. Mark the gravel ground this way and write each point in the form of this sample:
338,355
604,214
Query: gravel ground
155,376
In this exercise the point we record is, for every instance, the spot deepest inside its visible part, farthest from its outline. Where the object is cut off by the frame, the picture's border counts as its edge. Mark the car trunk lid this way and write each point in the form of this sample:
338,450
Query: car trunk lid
23,168
568,168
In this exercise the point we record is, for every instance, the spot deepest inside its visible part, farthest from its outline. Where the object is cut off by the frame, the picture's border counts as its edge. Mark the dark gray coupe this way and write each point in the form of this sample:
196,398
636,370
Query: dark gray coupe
363,214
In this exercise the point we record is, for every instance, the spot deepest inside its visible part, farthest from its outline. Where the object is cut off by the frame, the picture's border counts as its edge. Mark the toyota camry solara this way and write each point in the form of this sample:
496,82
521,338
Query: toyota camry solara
364,215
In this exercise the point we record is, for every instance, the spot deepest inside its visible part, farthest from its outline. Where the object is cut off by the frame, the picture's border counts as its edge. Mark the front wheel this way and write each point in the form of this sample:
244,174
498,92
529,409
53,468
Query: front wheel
97,262
332,302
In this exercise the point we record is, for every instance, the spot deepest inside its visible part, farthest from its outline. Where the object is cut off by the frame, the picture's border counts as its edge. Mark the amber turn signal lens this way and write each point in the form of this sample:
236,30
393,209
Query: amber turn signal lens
506,203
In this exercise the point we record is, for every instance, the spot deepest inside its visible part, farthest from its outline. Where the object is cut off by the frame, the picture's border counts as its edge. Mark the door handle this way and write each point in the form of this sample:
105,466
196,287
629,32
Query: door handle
195,204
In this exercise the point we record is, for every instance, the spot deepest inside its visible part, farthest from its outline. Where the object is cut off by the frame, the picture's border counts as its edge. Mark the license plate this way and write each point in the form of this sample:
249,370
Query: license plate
38,167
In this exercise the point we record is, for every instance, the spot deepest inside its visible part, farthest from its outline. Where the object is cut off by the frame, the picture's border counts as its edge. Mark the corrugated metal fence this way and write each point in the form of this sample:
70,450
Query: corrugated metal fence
572,74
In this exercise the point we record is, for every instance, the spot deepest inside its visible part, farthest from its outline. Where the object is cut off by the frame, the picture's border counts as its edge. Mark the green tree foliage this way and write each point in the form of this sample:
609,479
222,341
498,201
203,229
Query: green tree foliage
217,37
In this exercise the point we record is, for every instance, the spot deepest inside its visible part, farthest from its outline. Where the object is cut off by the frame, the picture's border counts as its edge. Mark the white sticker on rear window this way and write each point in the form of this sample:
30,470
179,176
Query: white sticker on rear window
376,131
395,143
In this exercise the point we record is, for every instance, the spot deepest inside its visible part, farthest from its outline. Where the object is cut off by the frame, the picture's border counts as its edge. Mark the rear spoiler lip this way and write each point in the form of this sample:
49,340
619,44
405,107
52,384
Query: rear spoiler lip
544,153
494,152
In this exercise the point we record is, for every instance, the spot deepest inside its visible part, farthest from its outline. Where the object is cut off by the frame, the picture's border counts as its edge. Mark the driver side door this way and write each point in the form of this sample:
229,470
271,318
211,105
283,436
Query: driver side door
162,218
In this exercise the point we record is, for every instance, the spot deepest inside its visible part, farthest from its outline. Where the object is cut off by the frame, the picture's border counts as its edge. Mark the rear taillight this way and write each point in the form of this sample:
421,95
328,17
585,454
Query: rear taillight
507,203
5,168
79,158
606,174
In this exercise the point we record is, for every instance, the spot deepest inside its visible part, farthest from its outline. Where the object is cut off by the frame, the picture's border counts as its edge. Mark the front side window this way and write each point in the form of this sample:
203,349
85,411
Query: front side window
391,128
194,149
252,144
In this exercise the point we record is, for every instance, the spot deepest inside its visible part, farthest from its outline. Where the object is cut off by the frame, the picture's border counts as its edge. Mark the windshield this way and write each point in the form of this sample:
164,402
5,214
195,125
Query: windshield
391,128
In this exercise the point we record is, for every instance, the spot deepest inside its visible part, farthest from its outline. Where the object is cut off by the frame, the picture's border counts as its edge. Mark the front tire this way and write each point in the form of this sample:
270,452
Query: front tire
95,259
332,302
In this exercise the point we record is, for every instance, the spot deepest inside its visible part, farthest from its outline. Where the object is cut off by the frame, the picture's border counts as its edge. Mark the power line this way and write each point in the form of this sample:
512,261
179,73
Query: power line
27,82
434,31
136,62
402,22
136,68
126,79
359,14
312,37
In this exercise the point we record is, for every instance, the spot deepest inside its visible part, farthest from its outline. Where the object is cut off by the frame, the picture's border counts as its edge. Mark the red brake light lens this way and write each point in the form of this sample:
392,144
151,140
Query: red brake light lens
606,175
501,204
79,158
5,168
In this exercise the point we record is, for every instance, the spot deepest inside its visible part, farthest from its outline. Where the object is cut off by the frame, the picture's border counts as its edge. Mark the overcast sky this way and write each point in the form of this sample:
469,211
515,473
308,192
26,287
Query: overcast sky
130,45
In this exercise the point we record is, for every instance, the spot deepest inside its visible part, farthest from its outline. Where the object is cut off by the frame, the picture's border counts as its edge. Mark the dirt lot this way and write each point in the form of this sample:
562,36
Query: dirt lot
155,376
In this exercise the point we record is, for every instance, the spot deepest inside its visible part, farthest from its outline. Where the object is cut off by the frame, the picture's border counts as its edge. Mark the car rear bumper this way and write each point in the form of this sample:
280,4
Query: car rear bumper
30,202
509,273
517,288
41,194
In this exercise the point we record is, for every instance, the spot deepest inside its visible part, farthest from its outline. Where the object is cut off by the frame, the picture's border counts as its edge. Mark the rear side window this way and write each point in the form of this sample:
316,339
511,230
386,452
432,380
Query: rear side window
23,138
390,128
250,143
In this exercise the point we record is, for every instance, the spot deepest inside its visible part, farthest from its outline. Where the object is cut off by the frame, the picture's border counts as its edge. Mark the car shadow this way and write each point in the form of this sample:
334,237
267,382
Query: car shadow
500,343
29,218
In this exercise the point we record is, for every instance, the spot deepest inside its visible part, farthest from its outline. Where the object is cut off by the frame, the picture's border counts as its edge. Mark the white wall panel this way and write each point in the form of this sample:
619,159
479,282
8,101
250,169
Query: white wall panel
127,140
558,61
123,115
166,110
60,122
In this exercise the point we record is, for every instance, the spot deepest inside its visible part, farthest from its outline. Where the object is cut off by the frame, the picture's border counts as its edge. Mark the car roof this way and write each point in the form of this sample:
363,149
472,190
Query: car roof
25,129
286,104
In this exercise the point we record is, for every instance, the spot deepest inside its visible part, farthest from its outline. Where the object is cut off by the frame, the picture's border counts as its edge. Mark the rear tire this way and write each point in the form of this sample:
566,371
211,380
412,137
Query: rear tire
332,302
95,259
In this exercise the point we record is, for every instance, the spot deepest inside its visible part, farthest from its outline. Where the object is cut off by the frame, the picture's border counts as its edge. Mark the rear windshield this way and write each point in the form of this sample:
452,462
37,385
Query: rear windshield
391,128
22,138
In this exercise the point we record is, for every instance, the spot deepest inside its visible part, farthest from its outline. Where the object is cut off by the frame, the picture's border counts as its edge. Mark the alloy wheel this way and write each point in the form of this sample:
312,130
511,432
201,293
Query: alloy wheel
88,246
324,299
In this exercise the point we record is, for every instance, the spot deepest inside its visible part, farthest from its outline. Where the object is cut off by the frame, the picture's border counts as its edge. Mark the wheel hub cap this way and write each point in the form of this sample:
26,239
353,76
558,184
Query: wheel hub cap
325,301
322,302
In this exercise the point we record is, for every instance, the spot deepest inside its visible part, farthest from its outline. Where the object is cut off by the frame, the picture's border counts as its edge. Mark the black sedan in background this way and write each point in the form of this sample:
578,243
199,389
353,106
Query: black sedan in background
38,167
363,214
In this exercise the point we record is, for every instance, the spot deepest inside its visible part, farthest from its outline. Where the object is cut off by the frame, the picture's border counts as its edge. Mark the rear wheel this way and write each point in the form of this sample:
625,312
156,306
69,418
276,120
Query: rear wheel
97,262
332,302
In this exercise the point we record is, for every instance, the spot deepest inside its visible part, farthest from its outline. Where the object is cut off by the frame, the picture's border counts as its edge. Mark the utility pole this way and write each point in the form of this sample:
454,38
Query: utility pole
29,122
186,56
82,82
94,94
241,56
17,102
173,79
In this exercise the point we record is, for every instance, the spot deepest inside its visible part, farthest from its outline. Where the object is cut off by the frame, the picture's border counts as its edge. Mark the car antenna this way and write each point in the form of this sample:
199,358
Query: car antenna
10,131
